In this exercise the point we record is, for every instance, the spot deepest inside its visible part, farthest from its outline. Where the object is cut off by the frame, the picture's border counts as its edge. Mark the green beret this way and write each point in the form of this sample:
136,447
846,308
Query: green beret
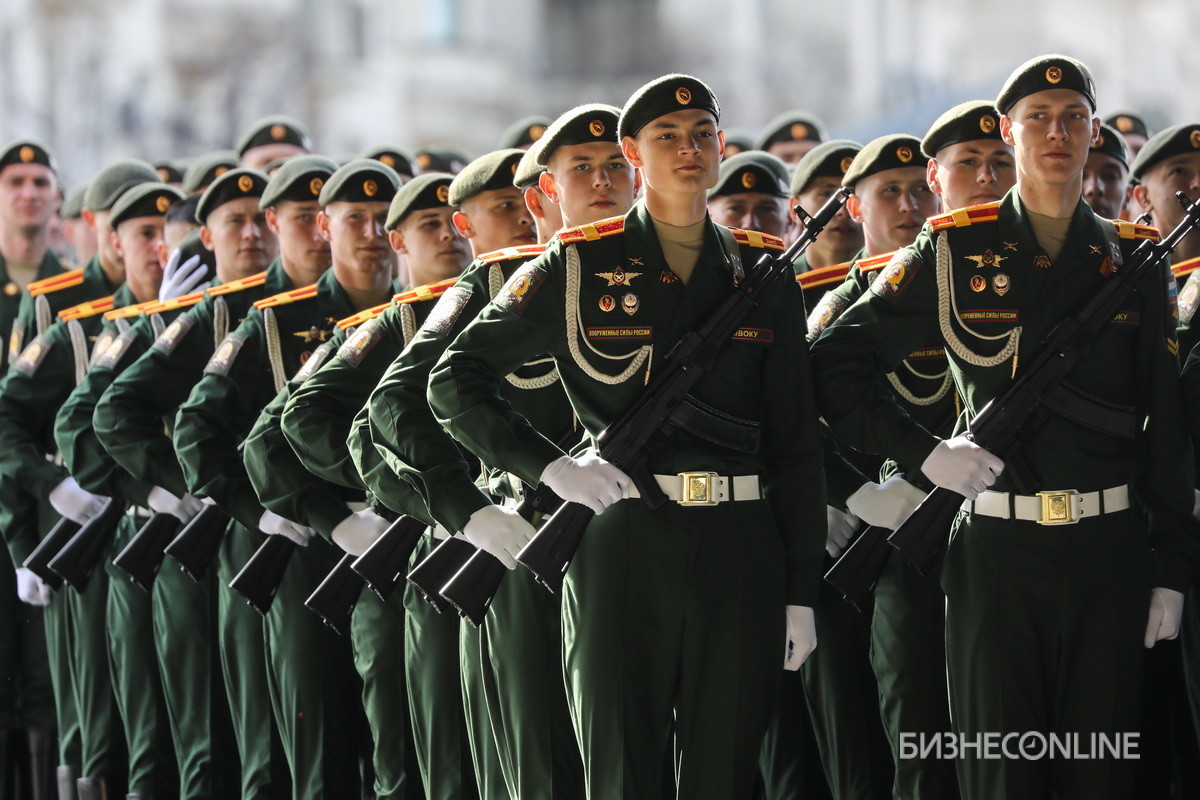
207,168
1166,144
363,180
528,168
72,207
791,126
427,190
168,171
275,129
893,151
752,171
144,200
276,164
523,132
1125,123
232,185
301,179
830,159
593,122
114,180
966,122
494,170
26,151
442,158
1046,72
1111,143
738,137
663,96
397,158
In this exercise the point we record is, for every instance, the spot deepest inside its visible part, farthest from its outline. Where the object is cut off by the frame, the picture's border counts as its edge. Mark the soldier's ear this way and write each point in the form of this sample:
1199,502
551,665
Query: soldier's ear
931,176
1006,129
116,243
323,224
162,253
89,216
206,237
533,200
854,208
396,240
273,220
629,149
548,186
721,143
462,224
1142,195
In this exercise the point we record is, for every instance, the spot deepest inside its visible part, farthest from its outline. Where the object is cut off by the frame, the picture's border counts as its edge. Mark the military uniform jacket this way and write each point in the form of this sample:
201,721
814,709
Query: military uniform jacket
1186,276
608,309
10,303
928,291
40,304
816,283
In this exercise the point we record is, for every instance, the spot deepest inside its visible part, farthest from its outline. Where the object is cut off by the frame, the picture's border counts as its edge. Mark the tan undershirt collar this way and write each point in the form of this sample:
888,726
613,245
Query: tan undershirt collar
1051,232
681,246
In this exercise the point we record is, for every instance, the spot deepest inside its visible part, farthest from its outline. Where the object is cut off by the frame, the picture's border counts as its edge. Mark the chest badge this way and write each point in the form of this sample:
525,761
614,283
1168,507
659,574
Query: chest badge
668,277
978,283
1042,262
618,277
11,289
1010,246
988,259
630,303
1001,284
313,334
1094,249
607,303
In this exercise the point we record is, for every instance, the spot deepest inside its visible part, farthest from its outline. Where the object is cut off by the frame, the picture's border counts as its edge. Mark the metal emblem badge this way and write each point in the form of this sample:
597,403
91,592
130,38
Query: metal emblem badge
683,95
608,303
988,259
1001,283
630,303
1042,262
618,277
1054,74
978,283
11,289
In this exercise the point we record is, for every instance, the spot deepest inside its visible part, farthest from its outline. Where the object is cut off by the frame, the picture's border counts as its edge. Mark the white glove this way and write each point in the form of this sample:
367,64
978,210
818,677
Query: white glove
359,531
31,589
1166,610
275,525
163,502
499,531
801,637
74,502
962,466
590,481
180,279
887,504
840,526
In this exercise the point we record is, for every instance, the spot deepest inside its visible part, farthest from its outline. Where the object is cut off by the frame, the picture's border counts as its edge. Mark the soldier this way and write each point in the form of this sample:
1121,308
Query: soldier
397,158
547,216
636,660
1106,174
76,231
1024,609
205,169
737,141
271,138
818,175
523,133
442,158
1132,128
179,222
751,193
790,135
170,172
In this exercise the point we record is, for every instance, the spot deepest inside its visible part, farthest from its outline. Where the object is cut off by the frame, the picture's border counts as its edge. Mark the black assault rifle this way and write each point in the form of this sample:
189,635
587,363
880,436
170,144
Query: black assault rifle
197,544
142,557
79,557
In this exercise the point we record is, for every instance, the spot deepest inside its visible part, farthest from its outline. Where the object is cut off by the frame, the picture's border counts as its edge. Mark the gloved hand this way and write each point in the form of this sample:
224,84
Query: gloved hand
275,525
887,504
180,279
31,589
962,466
74,502
801,637
359,531
1166,610
499,531
163,502
590,481
840,527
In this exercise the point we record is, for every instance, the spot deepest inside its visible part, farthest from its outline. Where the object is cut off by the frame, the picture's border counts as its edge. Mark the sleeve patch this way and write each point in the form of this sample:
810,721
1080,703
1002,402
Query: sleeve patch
893,279
1189,299
520,288
16,341
363,341
113,350
223,358
32,356
448,309
760,335
828,310
173,335
313,361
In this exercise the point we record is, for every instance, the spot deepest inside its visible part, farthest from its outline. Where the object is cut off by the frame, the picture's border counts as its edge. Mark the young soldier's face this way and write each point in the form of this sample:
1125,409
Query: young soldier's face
495,219
1051,132
892,205
104,239
237,234
300,240
1159,184
81,237
28,196
973,172
590,182
791,152
843,232
1105,184
431,243
138,242
750,210
259,157
678,153
357,237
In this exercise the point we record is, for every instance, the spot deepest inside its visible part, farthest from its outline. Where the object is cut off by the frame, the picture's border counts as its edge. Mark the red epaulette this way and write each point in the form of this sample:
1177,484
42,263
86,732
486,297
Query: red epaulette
291,296
89,309
835,273
592,231
511,253
238,285
757,239
1131,230
1185,268
130,311
183,301
55,282
873,263
962,217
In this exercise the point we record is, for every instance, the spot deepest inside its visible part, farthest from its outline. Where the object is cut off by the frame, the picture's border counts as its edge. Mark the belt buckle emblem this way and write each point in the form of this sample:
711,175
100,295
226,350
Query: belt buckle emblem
697,489
1057,508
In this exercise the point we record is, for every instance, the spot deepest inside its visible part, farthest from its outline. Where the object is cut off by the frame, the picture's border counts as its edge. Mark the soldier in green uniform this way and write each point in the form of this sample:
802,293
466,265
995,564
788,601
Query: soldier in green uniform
1023,608
547,216
751,193
790,135
79,235
395,157
270,138
1106,174
1132,128
669,619
818,175
136,411
205,169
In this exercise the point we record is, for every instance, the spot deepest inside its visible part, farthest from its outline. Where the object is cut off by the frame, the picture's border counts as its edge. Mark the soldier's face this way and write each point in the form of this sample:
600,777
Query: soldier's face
973,172
138,241
237,234
431,244
843,232
1051,132
259,157
590,182
357,238
791,152
300,240
1105,184
174,232
1135,142
1159,184
750,210
892,205
81,237
28,196
678,153
495,219
105,248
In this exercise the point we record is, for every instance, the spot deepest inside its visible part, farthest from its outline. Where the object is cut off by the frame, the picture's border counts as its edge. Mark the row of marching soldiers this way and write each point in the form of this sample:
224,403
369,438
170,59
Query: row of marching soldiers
206,436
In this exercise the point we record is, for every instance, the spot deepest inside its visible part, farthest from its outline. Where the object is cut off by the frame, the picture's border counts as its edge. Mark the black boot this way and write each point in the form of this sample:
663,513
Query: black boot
41,760
91,789
67,777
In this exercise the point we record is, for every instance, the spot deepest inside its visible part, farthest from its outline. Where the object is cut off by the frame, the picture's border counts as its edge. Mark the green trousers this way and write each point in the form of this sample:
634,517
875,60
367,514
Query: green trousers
674,616
58,622
26,689
790,763
485,758
1189,635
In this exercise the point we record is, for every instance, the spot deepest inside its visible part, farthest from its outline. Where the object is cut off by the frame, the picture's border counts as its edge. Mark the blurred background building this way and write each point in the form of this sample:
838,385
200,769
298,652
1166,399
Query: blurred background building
100,79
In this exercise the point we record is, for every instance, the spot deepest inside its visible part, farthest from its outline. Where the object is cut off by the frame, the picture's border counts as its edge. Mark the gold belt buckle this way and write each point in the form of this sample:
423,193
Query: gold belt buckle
697,489
1057,508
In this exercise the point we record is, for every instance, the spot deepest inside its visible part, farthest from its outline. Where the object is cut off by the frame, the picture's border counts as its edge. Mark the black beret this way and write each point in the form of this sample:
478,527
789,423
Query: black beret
830,159
275,129
442,158
663,96
592,122
966,122
168,171
1166,144
1125,122
1110,142
144,200
791,126
752,171
1046,72
232,185
364,180
397,158
489,172
523,132
301,179
72,207
207,168
427,190
737,137
114,180
894,151
26,151
528,168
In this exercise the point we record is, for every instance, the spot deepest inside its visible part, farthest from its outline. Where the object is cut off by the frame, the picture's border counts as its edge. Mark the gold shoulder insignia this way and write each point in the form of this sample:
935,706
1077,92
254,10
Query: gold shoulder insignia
1131,230
355,320
757,239
1185,268
874,262
238,285
183,301
283,298
835,273
963,217
593,231
131,311
55,282
430,291
89,309
512,253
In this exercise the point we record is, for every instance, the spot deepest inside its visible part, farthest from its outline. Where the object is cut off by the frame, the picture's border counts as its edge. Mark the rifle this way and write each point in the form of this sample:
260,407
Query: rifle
197,544
1043,385
334,599
142,557
384,562
76,560
548,554
259,579
439,567
38,561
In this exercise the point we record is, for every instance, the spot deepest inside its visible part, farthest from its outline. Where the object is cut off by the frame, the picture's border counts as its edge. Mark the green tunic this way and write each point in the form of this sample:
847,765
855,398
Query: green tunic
10,304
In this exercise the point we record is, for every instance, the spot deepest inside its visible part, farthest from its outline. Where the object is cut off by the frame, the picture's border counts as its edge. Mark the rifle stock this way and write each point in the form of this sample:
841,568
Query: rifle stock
855,573
259,579
334,599
76,561
384,563
56,539
437,568
197,544
143,555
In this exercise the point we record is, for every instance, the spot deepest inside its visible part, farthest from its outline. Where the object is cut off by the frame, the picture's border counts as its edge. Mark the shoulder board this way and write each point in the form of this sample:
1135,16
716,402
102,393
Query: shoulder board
592,231
239,285
430,291
512,253
835,273
183,301
757,239
1131,230
283,298
962,217
130,311
1185,268
874,262
89,309
364,316
55,282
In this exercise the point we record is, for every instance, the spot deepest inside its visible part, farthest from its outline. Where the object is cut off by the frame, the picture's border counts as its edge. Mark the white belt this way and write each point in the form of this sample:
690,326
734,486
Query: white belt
1064,507
704,488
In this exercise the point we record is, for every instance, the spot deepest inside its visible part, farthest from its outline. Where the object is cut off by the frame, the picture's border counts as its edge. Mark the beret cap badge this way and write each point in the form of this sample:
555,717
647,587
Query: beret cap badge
748,180
987,123
904,154
443,193
596,127
162,204
845,165
683,95
245,183
27,154
1124,124
1195,138
370,188
1054,74
536,132
278,132
315,186
388,159
799,131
